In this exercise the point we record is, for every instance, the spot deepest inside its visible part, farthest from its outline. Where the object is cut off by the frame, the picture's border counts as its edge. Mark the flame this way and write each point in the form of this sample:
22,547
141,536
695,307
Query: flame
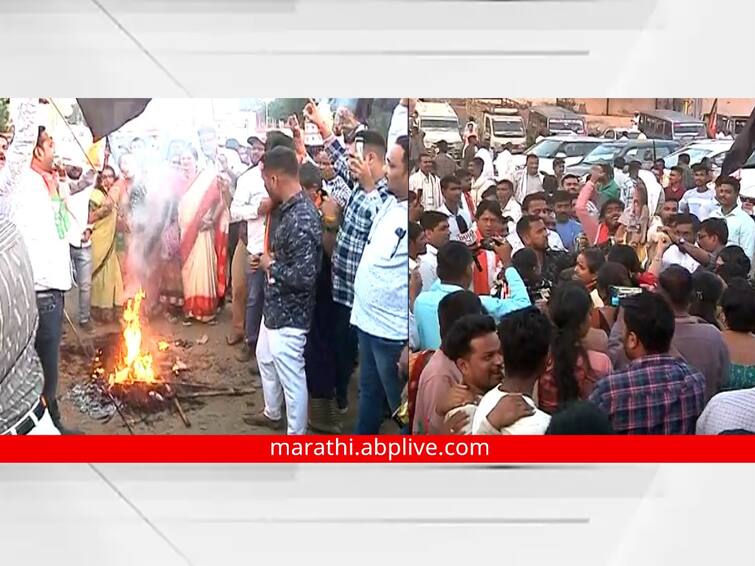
136,365
163,346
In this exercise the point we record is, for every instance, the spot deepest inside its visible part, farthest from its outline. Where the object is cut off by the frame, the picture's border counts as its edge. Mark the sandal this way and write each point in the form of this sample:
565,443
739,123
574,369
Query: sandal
233,340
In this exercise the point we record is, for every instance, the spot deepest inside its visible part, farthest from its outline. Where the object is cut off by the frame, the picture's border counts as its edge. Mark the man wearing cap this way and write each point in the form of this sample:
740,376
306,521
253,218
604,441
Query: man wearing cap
250,205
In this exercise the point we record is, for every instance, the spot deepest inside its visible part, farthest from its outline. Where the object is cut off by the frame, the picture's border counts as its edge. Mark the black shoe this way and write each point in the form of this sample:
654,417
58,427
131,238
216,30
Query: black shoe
56,420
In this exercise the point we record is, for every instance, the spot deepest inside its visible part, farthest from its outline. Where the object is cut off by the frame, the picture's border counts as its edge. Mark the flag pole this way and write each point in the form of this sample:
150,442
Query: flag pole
70,129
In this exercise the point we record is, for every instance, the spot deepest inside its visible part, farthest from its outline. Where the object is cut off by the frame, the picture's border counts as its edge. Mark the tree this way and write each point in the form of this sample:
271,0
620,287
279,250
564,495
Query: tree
282,108
4,114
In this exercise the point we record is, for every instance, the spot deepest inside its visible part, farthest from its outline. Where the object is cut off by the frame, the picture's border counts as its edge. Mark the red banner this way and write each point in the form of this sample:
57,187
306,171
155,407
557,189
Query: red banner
380,449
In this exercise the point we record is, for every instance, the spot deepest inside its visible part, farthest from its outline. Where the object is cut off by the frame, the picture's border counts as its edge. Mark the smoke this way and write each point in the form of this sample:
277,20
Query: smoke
152,204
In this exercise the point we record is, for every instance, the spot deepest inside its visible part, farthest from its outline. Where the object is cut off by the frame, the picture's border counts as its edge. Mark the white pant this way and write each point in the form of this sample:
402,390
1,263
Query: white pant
280,358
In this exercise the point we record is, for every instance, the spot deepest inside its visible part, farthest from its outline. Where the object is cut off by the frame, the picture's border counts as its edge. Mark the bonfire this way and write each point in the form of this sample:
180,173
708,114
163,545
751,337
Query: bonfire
133,378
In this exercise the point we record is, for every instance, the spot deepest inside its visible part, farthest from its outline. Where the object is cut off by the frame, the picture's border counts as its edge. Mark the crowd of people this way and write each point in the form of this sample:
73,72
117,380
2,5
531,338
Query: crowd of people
308,245
621,302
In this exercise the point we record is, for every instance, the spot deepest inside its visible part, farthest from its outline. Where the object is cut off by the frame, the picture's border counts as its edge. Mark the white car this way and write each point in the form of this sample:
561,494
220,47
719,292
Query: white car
572,148
714,150
747,178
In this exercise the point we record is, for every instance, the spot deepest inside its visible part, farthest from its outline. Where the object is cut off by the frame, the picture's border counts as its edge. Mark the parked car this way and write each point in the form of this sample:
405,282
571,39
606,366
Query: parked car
714,150
644,151
572,148
617,133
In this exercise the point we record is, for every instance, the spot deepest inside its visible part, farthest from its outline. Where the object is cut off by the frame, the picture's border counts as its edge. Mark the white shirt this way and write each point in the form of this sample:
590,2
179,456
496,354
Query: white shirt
479,185
554,241
429,185
513,210
78,206
250,190
741,229
674,256
729,410
537,423
381,286
504,165
399,124
453,224
428,267
34,215
700,204
527,185
487,169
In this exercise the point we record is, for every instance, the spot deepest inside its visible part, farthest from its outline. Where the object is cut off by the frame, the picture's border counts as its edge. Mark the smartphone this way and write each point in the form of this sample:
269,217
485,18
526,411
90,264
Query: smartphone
359,147
618,293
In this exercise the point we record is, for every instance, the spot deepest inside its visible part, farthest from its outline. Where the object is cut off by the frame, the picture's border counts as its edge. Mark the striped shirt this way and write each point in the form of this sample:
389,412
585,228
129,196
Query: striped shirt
20,370
358,215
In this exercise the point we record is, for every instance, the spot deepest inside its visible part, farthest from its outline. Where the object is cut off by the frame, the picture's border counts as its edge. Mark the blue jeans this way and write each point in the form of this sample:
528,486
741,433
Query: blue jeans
50,305
82,270
255,287
378,380
345,337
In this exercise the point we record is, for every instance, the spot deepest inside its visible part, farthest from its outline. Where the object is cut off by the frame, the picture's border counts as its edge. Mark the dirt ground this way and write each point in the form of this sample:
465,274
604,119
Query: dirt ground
213,362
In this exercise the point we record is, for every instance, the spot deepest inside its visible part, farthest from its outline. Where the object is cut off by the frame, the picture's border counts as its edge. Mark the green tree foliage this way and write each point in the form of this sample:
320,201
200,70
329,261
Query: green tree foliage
282,108
4,114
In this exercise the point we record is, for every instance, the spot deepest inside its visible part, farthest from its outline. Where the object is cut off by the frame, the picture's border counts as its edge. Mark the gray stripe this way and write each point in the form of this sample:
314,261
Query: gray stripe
142,516
380,52
450,521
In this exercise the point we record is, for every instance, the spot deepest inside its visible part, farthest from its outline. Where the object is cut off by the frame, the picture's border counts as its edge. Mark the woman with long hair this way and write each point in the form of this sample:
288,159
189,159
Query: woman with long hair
707,290
572,370
733,263
203,216
738,306
107,281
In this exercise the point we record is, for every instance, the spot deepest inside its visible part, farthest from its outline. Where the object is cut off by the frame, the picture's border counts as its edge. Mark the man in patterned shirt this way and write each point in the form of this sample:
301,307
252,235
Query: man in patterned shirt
370,190
656,393
291,267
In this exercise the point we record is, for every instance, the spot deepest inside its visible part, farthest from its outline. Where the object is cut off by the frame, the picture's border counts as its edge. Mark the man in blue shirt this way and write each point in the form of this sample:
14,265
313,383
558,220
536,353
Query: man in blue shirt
455,273
566,226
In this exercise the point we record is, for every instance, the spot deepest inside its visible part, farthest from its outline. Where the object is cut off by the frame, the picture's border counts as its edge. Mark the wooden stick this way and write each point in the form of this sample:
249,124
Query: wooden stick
86,350
180,410
117,408
218,393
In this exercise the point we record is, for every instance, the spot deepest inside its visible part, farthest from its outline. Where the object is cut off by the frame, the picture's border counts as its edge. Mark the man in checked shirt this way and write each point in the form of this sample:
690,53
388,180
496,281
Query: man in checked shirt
369,192
656,393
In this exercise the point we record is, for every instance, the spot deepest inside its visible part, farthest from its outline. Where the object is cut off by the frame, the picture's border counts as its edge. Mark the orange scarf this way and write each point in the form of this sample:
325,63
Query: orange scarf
470,204
481,279
50,179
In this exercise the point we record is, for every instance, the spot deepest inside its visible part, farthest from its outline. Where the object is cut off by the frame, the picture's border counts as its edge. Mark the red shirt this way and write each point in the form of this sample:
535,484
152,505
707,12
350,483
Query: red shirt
674,193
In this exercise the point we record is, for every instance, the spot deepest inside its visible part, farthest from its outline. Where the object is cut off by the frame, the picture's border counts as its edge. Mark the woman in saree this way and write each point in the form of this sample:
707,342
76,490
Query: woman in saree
171,282
203,216
107,282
